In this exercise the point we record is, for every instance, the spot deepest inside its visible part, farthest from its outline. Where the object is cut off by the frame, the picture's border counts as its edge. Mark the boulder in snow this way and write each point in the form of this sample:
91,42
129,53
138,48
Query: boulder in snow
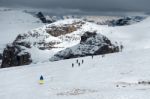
91,43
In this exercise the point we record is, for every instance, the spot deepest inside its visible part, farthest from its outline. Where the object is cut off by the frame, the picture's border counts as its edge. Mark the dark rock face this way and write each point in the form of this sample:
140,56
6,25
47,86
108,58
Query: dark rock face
91,44
106,49
41,17
87,35
1,56
13,55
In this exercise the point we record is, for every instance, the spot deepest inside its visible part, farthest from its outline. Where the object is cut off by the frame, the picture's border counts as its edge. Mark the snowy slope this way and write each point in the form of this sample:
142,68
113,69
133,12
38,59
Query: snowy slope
97,78
115,76
14,22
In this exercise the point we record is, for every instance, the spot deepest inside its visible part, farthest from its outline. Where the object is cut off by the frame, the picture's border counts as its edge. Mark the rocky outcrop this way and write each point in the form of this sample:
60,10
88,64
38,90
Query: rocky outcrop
91,43
14,55
45,38
36,40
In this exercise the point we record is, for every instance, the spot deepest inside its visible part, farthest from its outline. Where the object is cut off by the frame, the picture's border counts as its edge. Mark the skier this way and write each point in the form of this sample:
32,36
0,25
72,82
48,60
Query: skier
72,65
92,56
82,61
121,47
103,55
78,64
117,85
77,61
41,81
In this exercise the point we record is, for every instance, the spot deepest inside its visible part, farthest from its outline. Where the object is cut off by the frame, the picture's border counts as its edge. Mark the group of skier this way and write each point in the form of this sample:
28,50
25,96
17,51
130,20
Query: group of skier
82,61
78,63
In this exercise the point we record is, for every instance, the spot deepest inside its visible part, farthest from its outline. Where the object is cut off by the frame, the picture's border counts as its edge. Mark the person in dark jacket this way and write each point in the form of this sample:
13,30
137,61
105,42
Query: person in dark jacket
82,61
72,65
92,56
78,64
77,60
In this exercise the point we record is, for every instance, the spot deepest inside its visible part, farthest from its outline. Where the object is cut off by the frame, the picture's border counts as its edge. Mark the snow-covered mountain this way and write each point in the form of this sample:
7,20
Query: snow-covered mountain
110,20
100,20
51,38
48,40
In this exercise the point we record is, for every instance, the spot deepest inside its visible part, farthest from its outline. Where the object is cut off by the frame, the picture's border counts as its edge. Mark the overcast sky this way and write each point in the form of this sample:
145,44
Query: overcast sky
83,5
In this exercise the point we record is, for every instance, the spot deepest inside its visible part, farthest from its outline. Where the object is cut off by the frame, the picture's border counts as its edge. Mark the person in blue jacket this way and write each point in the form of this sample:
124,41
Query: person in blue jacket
41,78
41,81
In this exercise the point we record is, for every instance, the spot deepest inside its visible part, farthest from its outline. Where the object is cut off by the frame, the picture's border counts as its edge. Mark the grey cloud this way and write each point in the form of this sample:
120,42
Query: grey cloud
84,5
